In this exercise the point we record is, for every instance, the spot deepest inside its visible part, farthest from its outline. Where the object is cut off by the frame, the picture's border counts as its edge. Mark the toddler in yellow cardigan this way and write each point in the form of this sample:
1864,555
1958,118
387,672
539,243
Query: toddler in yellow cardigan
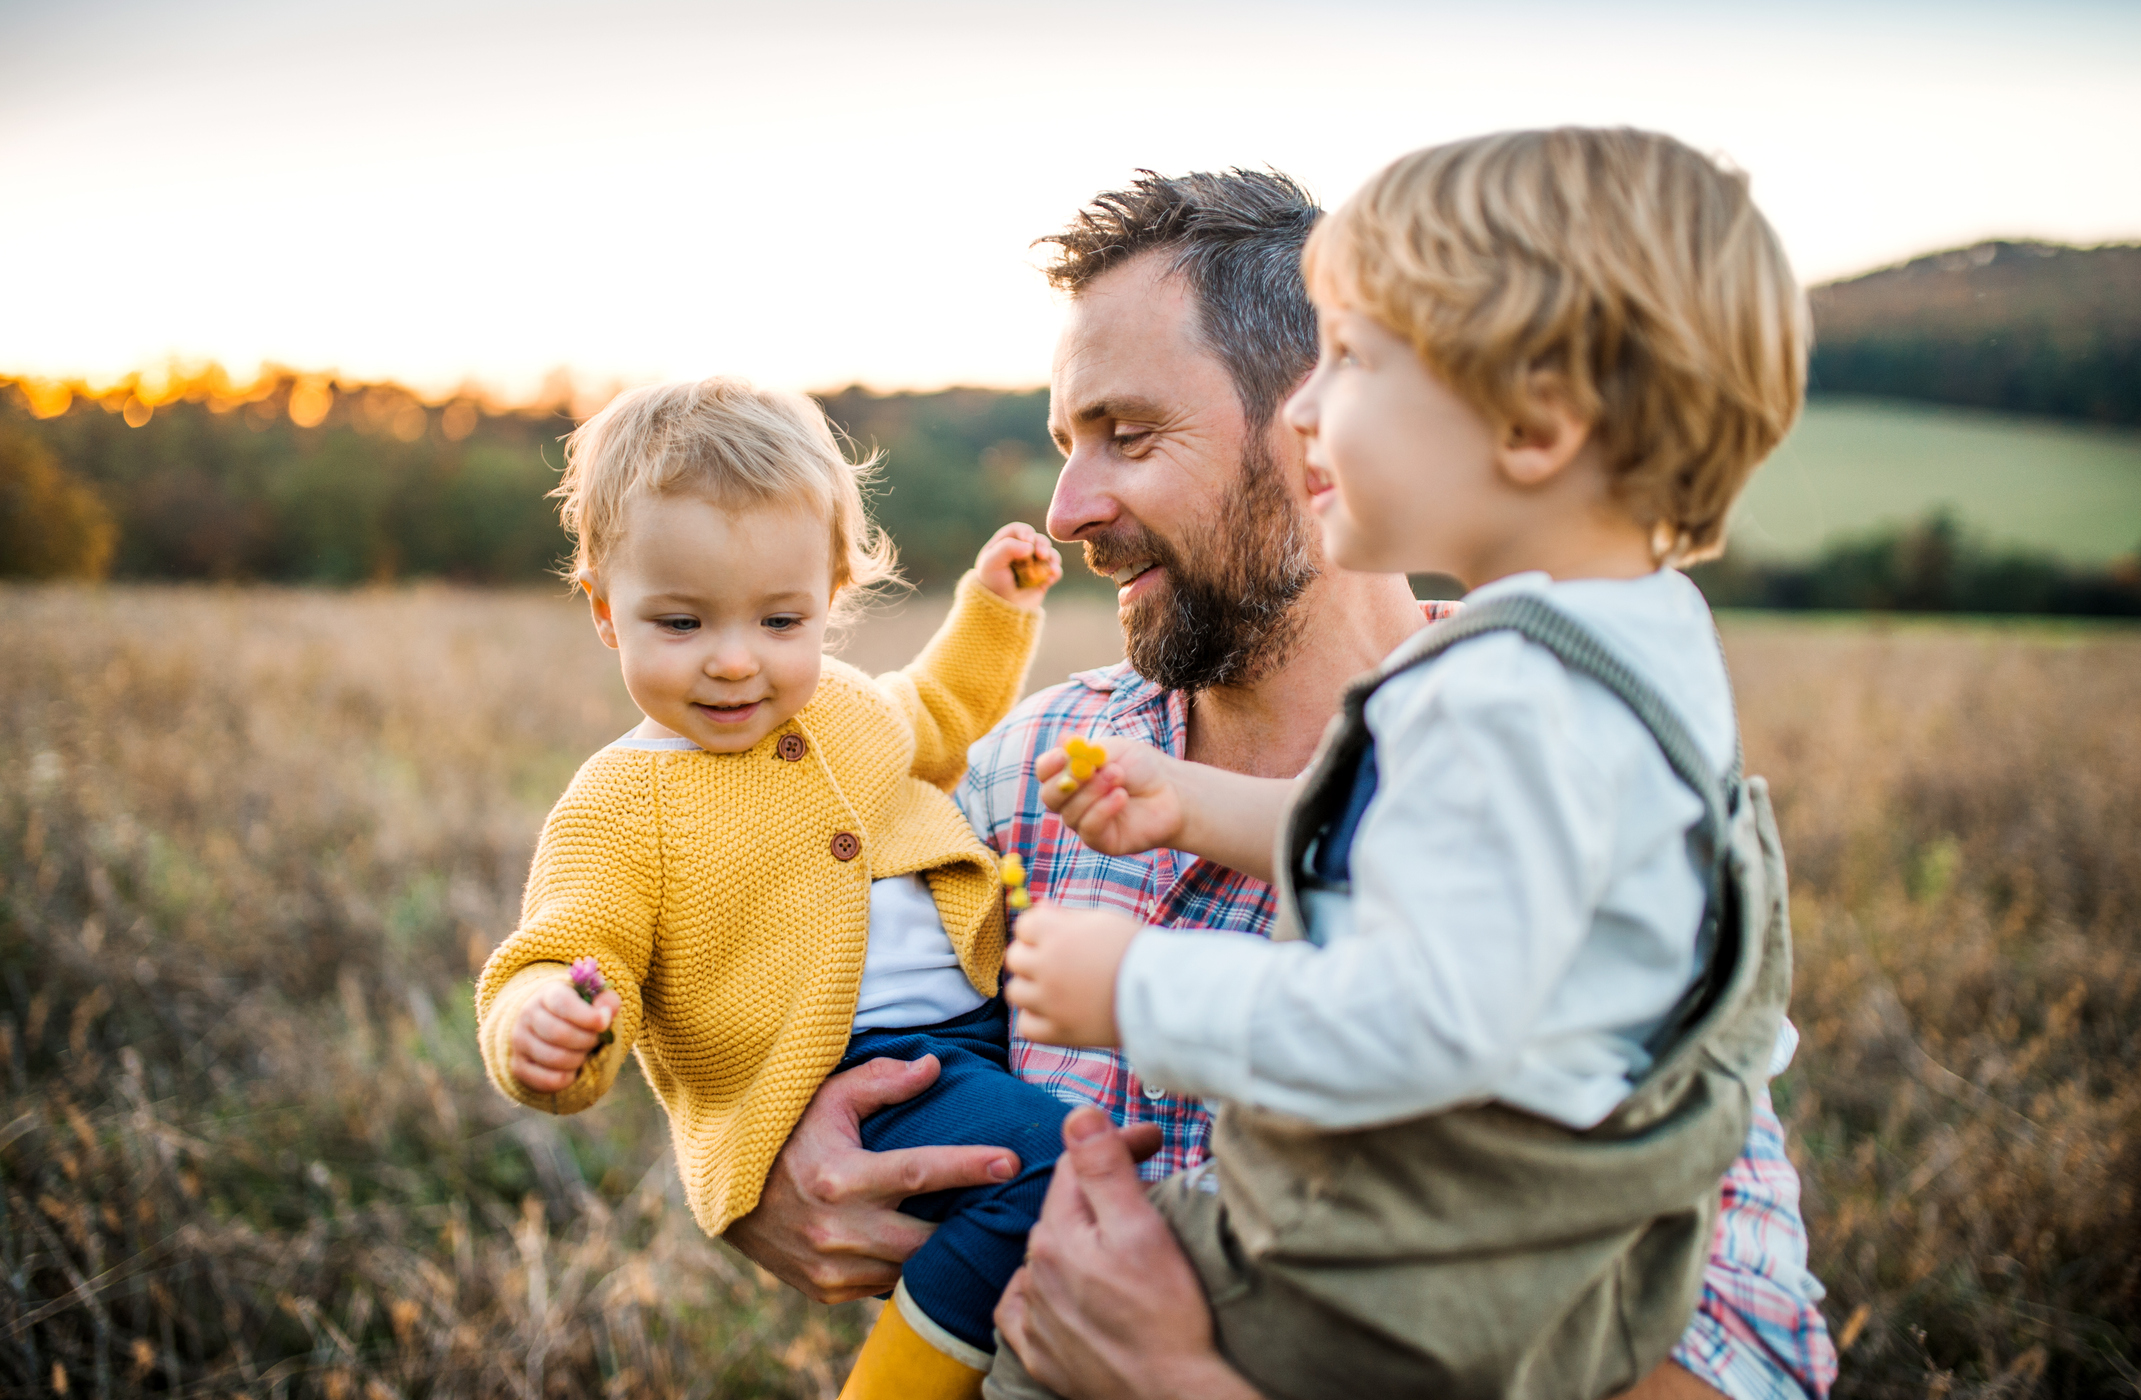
768,871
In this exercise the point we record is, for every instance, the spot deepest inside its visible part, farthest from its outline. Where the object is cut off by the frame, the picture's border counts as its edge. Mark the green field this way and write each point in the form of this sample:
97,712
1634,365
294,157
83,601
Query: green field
2033,483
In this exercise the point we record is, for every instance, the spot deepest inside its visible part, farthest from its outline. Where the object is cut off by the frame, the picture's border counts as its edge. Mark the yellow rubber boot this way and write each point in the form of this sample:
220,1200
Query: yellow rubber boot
909,1357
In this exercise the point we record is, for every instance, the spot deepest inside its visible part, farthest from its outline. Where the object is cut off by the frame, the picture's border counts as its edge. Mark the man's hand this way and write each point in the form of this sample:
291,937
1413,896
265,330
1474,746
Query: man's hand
1108,1307
828,1222
1130,804
1063,964
1019,565
553,1034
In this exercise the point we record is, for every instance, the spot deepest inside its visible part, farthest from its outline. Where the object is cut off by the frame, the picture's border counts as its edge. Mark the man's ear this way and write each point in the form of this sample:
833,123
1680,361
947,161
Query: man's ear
598,602
1539,447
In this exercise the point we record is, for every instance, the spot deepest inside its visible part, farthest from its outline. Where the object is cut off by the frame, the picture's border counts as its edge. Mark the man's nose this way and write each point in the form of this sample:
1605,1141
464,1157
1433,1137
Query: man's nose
1083,501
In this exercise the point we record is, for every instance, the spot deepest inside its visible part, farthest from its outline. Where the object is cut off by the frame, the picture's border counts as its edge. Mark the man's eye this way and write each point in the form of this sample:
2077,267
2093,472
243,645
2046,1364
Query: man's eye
1132,440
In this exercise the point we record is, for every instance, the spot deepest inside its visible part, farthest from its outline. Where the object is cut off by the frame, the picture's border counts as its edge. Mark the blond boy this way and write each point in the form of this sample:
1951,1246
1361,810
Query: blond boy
1477,1106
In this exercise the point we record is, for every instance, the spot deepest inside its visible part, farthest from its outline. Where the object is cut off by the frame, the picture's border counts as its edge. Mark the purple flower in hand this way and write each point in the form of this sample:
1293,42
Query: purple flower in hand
587,981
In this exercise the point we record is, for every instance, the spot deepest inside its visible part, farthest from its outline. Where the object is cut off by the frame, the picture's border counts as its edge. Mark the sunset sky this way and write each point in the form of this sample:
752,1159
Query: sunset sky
818,193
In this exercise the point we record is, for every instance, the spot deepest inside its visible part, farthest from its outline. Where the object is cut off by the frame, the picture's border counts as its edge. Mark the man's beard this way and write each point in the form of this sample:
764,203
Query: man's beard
1224,614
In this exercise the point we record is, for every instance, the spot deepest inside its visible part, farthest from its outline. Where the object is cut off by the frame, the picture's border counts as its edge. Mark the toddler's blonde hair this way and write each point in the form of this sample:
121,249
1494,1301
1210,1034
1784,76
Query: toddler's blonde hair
736,445
1620,270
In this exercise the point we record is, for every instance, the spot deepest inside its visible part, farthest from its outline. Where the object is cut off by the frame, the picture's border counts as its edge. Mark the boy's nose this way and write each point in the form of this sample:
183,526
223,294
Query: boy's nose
1299,410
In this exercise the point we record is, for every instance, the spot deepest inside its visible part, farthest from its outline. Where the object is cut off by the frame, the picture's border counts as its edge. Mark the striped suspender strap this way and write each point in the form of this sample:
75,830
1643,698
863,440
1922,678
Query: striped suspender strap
1580,649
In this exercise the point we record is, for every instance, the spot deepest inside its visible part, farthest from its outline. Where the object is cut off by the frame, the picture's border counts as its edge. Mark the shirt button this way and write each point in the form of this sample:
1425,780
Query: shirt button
845,846
1154,1091
792,747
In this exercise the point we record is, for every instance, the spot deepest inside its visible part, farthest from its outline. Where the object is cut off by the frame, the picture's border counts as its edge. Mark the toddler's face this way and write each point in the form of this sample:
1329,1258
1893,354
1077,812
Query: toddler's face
718,616
1398,465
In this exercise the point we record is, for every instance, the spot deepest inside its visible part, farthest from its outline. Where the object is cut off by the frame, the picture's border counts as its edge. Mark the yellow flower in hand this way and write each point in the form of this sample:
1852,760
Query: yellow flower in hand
1085,760
1014,878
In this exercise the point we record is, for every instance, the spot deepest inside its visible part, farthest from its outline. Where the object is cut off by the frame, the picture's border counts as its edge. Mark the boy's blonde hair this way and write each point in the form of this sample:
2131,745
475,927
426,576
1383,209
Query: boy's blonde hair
736,445
1619,270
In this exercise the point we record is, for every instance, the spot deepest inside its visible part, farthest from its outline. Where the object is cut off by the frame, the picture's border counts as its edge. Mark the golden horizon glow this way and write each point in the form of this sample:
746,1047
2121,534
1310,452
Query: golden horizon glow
465,194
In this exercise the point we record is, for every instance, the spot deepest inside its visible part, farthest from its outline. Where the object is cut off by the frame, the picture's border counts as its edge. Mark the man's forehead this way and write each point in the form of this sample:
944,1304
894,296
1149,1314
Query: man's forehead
1131,347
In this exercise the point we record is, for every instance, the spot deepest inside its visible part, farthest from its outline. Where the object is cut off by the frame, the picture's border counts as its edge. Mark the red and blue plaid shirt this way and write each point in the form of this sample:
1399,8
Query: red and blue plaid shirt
1757,1333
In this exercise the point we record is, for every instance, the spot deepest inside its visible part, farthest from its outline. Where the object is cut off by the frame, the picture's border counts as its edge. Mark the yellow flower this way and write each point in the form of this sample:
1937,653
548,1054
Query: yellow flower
1014,878
1085,760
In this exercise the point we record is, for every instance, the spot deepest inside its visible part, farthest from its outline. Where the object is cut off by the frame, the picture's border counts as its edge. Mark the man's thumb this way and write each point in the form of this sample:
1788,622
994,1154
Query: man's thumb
1096,1152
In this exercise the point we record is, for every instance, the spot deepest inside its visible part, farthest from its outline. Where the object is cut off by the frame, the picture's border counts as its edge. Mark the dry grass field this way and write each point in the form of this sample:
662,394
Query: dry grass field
253,843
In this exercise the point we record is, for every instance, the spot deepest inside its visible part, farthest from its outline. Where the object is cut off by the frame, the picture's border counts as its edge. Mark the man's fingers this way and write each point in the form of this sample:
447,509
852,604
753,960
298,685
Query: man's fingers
1107,1177
1064,1207
916,1171
873,1084
1141,1140
1011,1312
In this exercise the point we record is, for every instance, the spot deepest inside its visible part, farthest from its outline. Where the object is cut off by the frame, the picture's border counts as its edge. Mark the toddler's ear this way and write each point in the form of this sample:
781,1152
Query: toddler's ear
1537,448
599,604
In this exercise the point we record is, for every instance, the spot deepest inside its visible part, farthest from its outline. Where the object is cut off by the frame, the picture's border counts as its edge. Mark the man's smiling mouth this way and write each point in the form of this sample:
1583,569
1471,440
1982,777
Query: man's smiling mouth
1124,576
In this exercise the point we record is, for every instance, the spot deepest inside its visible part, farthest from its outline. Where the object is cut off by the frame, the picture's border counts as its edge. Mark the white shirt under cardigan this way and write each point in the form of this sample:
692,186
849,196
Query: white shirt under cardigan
910,971
1524,909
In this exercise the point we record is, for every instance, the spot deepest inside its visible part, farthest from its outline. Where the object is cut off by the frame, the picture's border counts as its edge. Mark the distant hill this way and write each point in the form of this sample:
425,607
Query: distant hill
2024,327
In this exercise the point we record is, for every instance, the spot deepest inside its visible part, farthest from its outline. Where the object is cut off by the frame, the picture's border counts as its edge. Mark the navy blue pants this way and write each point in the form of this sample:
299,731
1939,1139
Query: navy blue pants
981,1230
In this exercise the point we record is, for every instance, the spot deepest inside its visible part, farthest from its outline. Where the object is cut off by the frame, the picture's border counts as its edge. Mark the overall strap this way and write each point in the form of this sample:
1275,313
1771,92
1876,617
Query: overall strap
1582,651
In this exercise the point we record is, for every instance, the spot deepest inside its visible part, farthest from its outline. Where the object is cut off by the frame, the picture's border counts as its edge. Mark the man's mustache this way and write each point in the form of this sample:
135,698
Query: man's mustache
1135,544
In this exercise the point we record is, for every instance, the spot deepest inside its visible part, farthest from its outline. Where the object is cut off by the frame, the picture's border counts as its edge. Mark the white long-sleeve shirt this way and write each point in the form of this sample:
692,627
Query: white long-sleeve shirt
1524,909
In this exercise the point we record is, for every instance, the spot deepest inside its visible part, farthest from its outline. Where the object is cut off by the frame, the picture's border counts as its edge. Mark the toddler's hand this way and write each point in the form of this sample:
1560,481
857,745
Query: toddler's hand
1063,964
1129,804
554,1033
1018,564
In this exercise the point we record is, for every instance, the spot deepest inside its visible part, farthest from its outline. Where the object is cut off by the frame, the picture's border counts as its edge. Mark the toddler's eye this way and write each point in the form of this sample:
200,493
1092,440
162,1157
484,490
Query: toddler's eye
783,623
677,624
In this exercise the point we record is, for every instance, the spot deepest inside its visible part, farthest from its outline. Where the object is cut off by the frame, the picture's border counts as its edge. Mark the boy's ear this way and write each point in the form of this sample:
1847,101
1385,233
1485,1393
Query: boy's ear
1538,447
598,603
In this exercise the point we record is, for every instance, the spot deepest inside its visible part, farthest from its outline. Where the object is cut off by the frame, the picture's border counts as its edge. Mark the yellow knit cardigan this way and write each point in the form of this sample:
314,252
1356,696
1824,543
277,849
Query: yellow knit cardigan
712,890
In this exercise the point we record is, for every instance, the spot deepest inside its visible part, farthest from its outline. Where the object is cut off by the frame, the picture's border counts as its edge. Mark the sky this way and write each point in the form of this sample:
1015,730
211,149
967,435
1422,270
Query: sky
827,192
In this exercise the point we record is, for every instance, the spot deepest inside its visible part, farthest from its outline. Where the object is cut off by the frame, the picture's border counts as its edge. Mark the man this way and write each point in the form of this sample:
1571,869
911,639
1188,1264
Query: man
1188,326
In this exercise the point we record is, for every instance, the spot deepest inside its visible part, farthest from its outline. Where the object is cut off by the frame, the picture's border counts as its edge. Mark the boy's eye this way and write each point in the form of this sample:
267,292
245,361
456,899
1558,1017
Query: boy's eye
677,624
783,622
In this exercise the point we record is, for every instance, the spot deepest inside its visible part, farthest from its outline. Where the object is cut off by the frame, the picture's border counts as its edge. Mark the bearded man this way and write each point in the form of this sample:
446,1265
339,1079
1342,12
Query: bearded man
1188,326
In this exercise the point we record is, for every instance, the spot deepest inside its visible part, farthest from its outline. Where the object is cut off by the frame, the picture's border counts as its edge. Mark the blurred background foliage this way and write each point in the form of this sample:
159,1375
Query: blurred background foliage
2022,492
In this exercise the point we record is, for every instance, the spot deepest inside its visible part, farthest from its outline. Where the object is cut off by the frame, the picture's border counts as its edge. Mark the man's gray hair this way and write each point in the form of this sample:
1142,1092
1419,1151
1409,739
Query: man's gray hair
1236,237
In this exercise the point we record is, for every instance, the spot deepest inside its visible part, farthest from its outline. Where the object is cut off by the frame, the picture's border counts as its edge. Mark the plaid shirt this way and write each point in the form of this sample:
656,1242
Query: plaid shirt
1757,1332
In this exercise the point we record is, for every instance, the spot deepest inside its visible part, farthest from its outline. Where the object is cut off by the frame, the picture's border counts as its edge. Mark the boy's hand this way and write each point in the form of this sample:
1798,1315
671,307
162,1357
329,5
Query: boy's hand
1131,803
1018,564
1063,964
554,1033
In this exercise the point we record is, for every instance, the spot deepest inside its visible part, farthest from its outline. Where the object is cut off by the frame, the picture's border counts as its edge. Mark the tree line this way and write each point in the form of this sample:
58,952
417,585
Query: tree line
296,479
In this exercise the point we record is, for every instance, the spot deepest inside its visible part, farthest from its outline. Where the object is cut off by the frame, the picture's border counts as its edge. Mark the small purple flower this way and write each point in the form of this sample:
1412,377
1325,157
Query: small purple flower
587,981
